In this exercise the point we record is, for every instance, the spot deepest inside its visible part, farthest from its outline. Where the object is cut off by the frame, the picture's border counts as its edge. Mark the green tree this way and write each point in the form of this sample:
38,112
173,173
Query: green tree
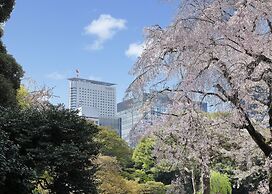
142,155
110,179
10,71
51,140
146,166
6,7
152,187
114,146
22,97
220,183
7,93
15,175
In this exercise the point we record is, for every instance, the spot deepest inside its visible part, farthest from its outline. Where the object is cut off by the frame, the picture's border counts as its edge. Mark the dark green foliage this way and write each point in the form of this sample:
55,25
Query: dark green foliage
53,140
10,77
6,7
10,71
15,176
142,177
114,146
7,94
165,176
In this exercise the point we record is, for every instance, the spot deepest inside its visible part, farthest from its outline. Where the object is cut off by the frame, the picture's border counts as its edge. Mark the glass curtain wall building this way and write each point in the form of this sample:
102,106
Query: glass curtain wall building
131,113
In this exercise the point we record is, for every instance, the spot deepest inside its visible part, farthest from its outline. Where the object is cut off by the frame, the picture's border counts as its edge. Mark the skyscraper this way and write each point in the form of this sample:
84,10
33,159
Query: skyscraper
99,97
95,101
131,113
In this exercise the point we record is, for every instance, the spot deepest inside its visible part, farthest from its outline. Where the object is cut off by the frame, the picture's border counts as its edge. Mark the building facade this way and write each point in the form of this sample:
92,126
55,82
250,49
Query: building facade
95,101
101,96
131,113
89,113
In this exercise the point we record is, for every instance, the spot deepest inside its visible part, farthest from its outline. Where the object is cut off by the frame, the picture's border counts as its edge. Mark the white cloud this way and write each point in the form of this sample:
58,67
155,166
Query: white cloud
55,76
135,50
104,28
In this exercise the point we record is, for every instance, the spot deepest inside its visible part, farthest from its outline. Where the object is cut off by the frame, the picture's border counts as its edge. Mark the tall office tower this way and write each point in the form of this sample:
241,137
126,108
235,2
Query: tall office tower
131,113
97,98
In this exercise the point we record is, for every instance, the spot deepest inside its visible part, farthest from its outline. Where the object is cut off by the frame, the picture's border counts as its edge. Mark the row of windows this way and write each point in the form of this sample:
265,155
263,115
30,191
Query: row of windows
96,99
89,89
95,91
99,92
100,106
96,102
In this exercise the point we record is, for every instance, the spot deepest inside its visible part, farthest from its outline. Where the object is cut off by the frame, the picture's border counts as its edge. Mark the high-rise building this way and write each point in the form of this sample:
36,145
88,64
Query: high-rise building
100,96
95,101
131,113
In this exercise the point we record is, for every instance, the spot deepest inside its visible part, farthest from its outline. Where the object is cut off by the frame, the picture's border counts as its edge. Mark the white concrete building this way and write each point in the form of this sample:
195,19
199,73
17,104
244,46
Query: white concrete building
99,96
95,101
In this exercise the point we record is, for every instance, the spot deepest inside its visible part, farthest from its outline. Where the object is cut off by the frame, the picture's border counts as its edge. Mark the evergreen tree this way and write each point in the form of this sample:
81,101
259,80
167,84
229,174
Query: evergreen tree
10,71
53,142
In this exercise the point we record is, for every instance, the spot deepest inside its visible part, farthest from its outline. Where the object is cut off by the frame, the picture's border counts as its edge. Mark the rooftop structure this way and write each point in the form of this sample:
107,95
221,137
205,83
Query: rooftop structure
91,81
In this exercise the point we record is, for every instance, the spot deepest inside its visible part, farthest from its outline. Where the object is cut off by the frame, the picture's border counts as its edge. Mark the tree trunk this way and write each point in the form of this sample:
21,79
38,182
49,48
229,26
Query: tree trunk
193,182
206,184
205,180
269,158
258,138
270,172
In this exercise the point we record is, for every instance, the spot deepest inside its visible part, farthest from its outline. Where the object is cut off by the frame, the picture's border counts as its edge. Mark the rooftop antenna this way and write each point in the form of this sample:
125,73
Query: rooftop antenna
77,73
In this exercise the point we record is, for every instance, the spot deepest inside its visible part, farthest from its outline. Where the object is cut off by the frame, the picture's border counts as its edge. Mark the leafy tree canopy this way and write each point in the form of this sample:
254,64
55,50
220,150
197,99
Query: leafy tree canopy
114,146
53,140
110,179
10,71
152,187
21,97
220,183
146,166
142,155
6,7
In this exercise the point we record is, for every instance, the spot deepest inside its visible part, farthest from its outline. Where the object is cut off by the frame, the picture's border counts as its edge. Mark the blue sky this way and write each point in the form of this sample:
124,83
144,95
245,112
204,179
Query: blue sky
53,38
